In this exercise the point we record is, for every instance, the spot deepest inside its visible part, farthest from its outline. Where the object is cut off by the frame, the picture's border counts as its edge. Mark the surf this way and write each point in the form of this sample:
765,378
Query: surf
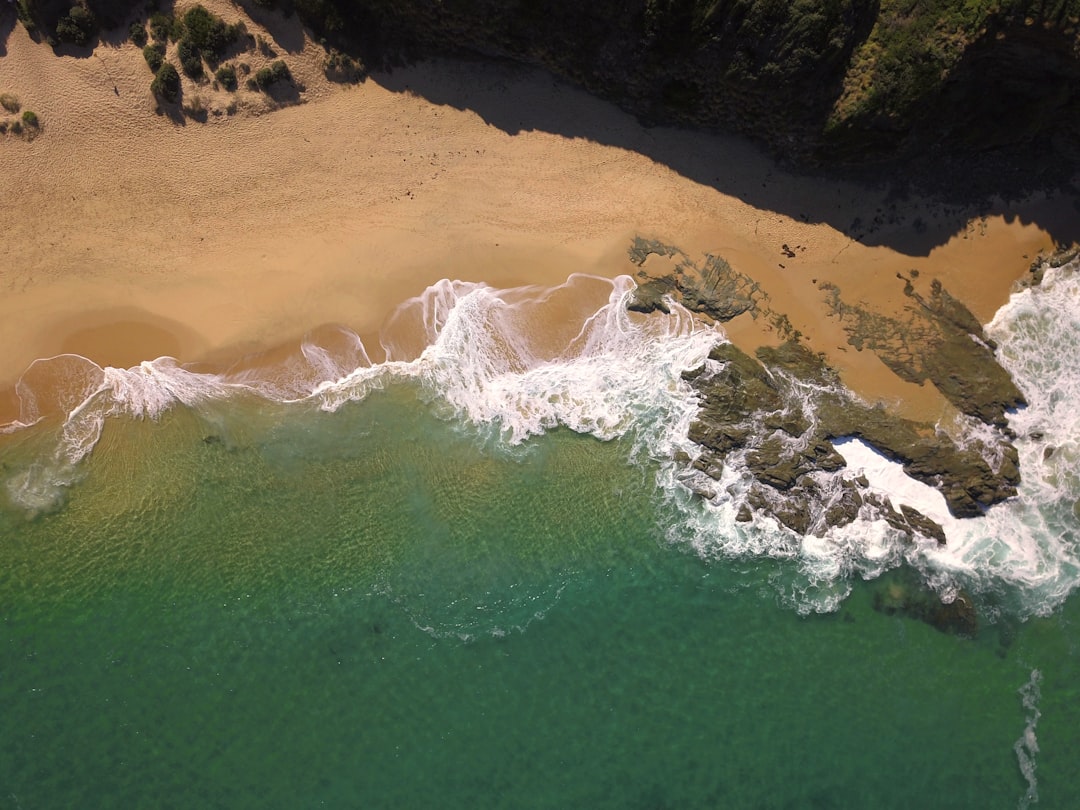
517,363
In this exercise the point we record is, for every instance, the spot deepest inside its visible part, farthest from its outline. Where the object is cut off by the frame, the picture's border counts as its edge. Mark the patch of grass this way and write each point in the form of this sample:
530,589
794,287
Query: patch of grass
10,102
196,108
166,84
226,76
341,67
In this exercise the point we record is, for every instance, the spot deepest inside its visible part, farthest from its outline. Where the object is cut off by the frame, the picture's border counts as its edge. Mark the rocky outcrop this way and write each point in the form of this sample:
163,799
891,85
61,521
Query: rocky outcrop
758,415
773,418
939,341
712,288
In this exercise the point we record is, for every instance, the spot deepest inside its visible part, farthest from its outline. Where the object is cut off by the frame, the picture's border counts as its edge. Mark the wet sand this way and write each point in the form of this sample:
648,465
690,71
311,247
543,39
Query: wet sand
129,236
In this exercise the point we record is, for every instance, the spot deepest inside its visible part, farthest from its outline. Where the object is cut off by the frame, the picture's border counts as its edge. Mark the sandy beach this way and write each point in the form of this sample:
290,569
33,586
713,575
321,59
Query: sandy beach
128,235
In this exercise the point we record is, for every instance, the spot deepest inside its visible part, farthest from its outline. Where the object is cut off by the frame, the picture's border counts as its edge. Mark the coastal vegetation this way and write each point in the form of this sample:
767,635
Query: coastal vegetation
166,84
820,80
267,76
137,33
154,54
226,77
27,124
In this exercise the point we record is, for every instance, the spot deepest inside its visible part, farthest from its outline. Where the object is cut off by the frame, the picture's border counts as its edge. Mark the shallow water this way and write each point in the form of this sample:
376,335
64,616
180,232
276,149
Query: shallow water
246,602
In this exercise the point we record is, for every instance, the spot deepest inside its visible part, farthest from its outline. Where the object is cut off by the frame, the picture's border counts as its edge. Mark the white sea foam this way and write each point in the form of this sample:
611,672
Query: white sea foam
527,360
1027,746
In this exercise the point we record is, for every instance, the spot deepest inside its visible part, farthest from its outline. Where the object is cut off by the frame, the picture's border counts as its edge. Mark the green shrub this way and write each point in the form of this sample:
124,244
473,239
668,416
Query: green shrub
166,84
9,102
226,76
340,67
190,58
209,33
30,119
137,33
266,76
163,27
26,16
79,26
154,54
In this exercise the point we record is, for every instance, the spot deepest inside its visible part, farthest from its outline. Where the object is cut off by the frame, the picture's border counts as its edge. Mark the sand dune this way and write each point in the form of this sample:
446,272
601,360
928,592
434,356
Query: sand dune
128,235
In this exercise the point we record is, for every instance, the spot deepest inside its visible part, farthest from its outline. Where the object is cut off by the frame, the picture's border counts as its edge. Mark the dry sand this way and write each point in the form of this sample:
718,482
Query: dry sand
127,235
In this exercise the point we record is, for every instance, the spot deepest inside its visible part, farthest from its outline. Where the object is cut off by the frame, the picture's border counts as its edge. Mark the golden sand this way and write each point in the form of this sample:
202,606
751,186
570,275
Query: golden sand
128,235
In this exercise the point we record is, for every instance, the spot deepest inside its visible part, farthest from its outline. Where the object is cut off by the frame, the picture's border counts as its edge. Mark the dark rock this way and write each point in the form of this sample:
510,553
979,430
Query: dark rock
900,593
923,525
747,407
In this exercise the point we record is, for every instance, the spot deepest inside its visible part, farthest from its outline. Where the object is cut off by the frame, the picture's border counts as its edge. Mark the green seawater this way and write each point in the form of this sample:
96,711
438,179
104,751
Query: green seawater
260,605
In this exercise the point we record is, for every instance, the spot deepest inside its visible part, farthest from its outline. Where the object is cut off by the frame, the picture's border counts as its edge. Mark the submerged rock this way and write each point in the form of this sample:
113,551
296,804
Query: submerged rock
899,593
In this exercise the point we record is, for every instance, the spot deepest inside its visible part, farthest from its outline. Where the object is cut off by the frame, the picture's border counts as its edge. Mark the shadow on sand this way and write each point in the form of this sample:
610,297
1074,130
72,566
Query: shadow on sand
7,25
877,207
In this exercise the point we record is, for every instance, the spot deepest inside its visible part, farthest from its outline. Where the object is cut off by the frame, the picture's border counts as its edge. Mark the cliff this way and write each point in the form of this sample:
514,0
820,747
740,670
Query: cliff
819,81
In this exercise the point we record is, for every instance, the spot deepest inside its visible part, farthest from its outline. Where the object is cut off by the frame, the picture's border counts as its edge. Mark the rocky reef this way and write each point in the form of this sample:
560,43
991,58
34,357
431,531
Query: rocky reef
773,417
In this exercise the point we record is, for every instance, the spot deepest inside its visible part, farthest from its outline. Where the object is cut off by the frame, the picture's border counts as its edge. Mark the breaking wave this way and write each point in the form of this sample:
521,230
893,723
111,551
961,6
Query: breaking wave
525,360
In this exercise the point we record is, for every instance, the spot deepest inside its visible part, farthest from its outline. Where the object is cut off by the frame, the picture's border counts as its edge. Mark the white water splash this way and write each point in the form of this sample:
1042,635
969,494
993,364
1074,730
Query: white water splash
526,360
1027,746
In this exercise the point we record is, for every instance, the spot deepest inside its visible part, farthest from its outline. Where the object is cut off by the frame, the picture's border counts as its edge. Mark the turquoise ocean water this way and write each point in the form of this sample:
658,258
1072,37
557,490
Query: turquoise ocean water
468,577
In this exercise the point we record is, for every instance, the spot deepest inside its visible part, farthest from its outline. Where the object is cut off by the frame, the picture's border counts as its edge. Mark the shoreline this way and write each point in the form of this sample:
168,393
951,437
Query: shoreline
132,237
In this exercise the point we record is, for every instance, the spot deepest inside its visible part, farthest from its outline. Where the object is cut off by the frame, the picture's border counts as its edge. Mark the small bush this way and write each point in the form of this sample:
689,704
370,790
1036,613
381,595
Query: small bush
166,84
30,119
277,72
154,54
340,67
264,77
9,102
16,127
190,58
137,33
163,27
226,76
79,26
209,33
